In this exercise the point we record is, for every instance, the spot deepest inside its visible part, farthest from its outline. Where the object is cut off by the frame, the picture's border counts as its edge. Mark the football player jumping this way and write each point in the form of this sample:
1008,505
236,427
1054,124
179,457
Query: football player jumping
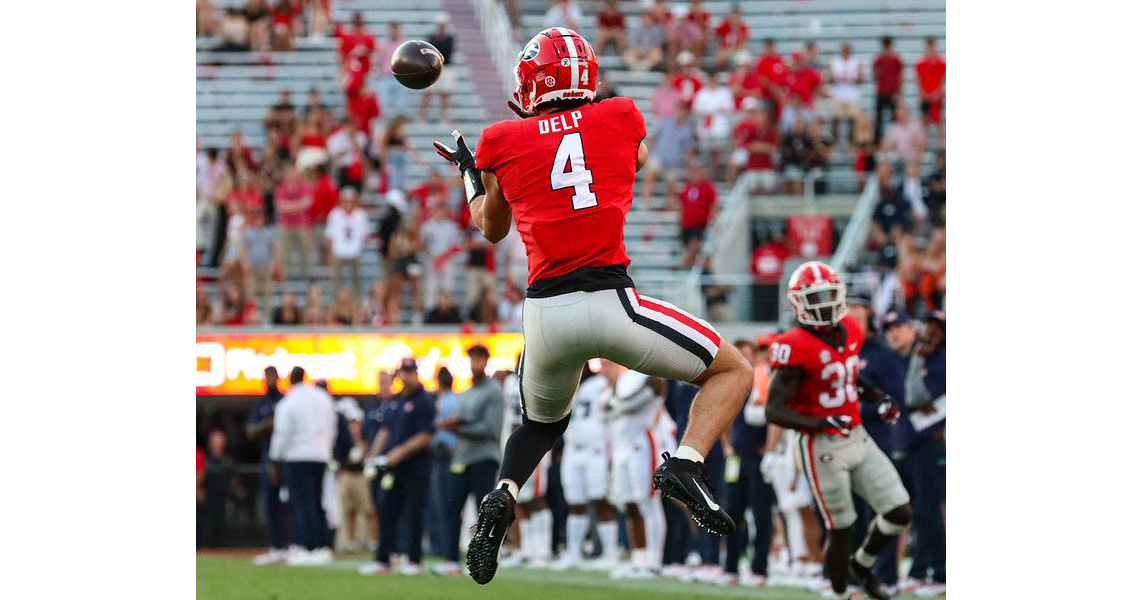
814,390
564,173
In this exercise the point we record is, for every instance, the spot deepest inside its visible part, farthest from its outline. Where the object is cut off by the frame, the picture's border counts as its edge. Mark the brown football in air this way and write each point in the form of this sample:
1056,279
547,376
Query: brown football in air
416,64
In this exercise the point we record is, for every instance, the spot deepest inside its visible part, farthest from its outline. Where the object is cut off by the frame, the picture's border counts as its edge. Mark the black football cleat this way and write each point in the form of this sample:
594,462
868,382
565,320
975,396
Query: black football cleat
496,513
685,481
867,580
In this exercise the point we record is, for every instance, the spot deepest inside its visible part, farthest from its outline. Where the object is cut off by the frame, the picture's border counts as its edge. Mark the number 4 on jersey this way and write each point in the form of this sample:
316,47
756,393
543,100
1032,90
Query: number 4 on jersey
571,151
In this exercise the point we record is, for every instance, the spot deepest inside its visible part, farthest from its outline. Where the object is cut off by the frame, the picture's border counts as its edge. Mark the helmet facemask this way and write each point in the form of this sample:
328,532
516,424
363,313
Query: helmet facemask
820,305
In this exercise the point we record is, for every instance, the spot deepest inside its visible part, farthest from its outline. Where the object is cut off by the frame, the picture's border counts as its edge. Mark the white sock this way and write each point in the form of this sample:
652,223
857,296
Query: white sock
688,453
576,530
795,534
654,522
513,488
863,558
609,538
542,522
639,558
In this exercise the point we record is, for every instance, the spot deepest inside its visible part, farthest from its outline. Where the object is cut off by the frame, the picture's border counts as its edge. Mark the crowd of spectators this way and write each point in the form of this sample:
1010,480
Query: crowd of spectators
261,25
787,120
299,208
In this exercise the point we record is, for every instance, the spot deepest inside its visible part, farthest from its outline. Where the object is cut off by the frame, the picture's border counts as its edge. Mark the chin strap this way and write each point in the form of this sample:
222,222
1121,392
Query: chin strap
514,105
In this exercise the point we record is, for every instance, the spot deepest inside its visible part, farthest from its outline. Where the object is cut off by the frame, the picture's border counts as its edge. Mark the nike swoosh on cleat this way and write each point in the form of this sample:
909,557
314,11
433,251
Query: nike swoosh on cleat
713,505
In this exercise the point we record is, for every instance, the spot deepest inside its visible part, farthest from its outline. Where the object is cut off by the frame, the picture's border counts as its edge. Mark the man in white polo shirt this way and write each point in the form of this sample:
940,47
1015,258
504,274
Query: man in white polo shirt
305,426
346,230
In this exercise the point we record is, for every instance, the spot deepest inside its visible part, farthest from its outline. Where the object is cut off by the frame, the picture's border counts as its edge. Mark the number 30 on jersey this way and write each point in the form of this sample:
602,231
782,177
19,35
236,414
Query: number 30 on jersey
577,176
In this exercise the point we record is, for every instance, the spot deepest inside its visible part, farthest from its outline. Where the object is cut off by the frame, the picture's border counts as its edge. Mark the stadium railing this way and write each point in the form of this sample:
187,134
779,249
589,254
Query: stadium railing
497,30
856,232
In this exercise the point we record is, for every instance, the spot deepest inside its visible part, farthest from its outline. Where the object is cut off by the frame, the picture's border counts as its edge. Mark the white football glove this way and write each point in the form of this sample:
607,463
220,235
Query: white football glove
770,466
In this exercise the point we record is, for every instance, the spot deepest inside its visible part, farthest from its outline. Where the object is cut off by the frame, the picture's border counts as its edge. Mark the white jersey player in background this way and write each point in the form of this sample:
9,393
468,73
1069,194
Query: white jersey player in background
584,473
532,513
640,431
802,531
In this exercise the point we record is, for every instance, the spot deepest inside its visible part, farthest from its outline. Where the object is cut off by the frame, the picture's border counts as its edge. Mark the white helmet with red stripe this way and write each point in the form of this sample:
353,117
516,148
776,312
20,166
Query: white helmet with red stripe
557,64
817,294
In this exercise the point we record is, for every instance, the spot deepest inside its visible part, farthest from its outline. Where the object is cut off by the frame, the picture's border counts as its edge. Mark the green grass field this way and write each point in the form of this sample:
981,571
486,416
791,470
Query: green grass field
225,578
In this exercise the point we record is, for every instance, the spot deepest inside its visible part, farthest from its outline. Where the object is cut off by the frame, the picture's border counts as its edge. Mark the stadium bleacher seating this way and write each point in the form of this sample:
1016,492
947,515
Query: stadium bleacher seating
235,90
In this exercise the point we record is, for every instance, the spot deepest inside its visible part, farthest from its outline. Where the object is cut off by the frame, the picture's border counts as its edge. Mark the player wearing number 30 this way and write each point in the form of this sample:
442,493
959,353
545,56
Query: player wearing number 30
814,390
565,172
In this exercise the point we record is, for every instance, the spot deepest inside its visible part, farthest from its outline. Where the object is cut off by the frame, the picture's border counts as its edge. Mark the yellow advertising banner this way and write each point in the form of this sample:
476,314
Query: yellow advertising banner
234,364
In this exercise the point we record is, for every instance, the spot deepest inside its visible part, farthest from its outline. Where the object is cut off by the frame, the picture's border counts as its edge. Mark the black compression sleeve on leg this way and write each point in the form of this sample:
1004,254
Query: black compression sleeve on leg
527,445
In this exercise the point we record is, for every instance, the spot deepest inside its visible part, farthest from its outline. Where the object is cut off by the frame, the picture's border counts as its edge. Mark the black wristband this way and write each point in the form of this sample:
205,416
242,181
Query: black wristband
473,184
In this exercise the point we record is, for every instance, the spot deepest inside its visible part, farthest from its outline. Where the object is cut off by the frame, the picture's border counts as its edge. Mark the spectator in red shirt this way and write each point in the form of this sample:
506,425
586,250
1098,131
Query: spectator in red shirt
363,108
688,81
733,34
293,198
356,43
245,195
768,262
755,138
804,83
744,81
697,208
774,76
611,28
325,198
930,73
308,145
888,72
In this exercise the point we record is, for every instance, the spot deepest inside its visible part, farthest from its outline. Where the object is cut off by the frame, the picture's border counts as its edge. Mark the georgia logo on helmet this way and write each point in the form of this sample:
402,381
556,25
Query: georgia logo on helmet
556,64
817,294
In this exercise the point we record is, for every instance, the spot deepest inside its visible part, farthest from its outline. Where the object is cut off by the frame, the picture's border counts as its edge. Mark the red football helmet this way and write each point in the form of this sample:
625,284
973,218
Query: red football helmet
557,64
817,294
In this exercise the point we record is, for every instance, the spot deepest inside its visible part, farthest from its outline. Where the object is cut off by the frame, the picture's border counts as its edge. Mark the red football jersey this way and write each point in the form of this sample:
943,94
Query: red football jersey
568,177
829,386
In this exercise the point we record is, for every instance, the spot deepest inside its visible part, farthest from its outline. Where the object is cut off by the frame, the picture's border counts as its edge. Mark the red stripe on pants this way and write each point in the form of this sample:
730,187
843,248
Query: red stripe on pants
817,486
681,317
653,460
